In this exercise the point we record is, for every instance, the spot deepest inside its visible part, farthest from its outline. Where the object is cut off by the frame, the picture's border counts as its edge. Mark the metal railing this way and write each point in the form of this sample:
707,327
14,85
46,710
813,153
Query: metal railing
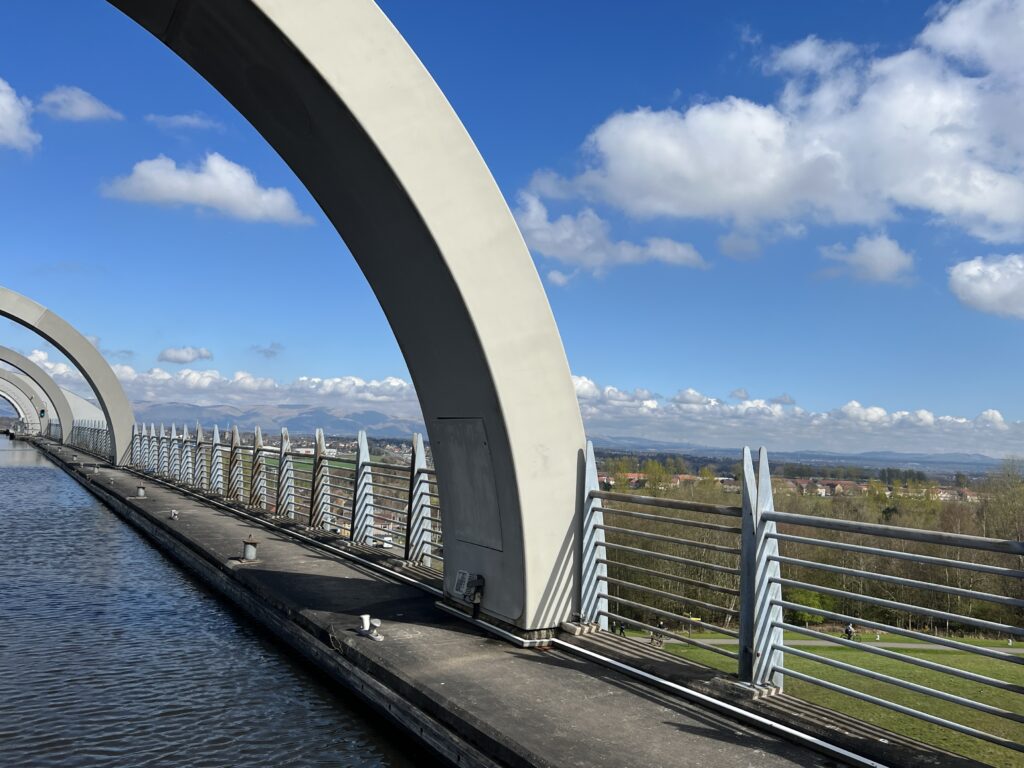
743,575
87,435
355,497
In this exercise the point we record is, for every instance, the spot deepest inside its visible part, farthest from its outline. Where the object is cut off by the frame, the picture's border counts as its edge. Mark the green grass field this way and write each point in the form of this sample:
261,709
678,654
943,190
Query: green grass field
894,721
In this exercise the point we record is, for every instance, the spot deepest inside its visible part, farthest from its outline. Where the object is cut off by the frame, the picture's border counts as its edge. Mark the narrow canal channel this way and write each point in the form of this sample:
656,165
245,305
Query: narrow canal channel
111,656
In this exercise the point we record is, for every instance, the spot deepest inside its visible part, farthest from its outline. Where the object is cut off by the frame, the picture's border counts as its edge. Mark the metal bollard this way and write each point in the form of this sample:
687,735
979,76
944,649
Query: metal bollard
249,548
140,491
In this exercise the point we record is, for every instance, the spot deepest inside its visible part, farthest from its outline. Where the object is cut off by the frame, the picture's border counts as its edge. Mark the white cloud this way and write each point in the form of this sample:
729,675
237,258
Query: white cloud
69,102
994,285
876,259
690,416
193,121
16,120
584,241
812,54
184,354
853,138
739,393
217,184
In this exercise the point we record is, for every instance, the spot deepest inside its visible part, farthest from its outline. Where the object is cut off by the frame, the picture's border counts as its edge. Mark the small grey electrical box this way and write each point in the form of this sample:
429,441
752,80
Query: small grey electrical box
462,582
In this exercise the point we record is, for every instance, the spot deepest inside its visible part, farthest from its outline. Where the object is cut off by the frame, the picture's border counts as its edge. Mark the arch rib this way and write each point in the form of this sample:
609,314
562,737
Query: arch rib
85,357
54,394
339,94
15,392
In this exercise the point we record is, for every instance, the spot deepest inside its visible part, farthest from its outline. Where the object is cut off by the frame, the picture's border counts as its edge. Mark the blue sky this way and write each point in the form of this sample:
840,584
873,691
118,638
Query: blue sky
797,228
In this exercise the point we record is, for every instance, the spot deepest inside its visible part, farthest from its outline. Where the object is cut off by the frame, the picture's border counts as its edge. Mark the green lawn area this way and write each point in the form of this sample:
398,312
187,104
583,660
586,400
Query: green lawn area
905,724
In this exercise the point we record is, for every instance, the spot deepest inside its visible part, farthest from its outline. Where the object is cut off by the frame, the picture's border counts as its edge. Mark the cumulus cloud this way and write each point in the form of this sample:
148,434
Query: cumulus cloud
194,121
269,351
584,241
994,285
877,259
740,393
16,120
689,416
216,184
184,355
853,138
69,102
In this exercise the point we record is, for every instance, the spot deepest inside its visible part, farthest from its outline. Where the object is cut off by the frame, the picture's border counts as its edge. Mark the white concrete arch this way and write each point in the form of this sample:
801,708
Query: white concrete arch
35,394
335,89
14,392
85,357
59,409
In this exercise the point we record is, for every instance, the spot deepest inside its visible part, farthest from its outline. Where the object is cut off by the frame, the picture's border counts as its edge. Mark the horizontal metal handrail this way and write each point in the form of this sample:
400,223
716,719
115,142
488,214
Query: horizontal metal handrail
900,580
966,730
673,520
669,633
904,657
905,684
654,501
956,618
919,636
671,615
669,539
895,532
669,595
898,555
669,576
668,558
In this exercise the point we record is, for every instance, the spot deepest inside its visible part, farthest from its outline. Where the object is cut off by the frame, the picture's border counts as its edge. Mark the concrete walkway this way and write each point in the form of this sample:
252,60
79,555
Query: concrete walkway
475,700
501,705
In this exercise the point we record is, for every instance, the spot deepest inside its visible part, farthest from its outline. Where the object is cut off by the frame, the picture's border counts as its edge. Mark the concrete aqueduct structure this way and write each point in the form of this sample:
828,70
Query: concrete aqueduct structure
83,355
26,400
61,408
337,91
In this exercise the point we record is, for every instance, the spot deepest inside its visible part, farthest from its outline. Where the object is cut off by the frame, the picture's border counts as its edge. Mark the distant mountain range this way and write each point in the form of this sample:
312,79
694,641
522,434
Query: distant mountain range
298,419
931,462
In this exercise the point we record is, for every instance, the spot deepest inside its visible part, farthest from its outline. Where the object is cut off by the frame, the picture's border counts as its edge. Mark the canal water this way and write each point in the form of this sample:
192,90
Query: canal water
111,656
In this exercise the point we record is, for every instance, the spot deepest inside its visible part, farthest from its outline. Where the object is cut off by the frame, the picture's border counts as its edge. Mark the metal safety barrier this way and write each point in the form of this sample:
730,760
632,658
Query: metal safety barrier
741,575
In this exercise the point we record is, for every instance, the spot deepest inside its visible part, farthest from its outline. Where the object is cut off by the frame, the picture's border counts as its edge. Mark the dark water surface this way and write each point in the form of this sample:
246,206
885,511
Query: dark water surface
111,656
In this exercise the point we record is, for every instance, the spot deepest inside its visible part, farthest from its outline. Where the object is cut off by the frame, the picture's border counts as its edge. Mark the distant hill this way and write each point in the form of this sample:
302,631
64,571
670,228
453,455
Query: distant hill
299,419
928,462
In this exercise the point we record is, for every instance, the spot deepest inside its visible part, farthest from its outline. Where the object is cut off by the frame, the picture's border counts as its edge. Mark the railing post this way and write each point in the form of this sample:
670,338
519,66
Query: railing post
748,569
258,485
593,607
136,445
320,496
175,452
419,532
201,478
236,484
216,463
362,518
165,459
759,660
768,658
187,458
285,478
151,450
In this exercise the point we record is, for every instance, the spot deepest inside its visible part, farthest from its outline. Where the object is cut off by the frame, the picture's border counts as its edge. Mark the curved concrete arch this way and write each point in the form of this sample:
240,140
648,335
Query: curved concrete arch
35,394
336,90
43,380
85,357
14,393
